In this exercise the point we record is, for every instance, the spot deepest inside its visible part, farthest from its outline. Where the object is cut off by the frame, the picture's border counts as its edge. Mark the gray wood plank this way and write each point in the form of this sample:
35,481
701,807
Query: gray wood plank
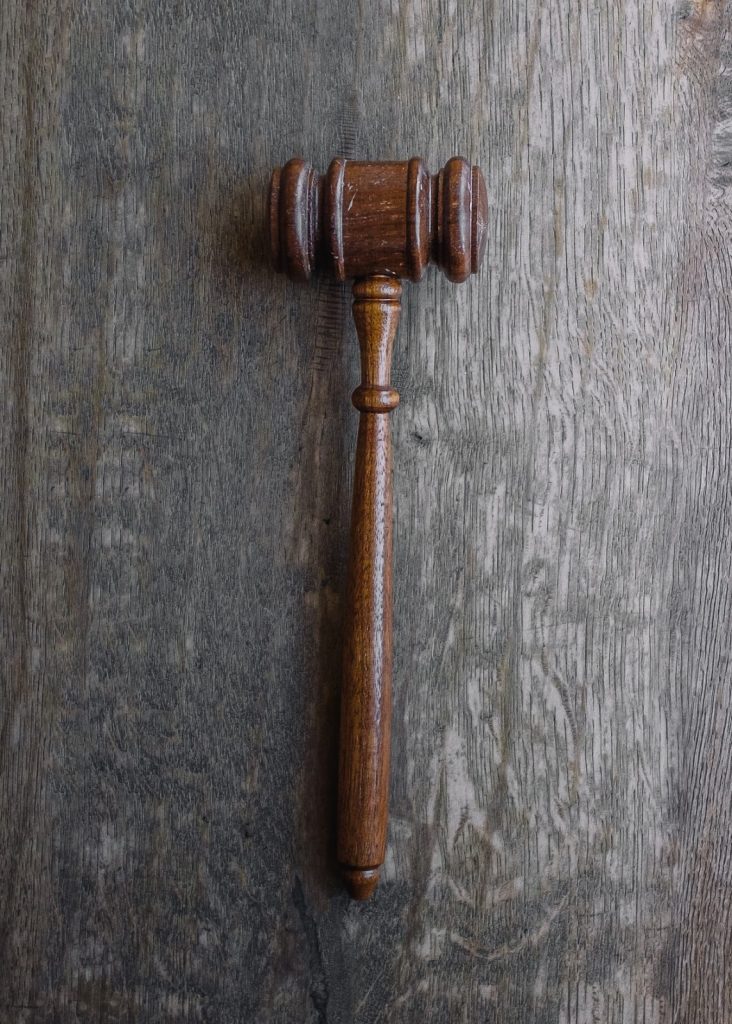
176,453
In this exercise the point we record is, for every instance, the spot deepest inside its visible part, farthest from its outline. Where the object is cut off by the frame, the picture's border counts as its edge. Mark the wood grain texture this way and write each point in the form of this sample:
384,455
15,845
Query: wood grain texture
365,721
175,491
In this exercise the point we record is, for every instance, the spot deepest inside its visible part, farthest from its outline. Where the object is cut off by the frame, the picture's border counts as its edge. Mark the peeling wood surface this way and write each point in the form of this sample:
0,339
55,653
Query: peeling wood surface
176,453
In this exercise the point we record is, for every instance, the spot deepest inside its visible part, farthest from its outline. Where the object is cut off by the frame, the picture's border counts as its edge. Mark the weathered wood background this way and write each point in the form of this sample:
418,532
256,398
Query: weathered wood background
176,449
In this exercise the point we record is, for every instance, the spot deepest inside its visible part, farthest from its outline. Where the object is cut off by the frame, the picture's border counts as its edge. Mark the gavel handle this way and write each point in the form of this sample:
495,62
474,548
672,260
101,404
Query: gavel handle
365,737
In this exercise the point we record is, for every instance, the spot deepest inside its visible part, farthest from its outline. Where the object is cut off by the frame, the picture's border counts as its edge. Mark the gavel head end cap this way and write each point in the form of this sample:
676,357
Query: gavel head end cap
462,209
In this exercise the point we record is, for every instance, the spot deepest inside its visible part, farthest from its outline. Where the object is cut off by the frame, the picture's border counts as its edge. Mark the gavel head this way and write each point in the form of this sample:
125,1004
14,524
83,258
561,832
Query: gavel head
362,218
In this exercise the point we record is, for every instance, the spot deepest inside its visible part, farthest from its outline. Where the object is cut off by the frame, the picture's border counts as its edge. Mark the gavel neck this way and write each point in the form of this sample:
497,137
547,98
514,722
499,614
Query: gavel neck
376,310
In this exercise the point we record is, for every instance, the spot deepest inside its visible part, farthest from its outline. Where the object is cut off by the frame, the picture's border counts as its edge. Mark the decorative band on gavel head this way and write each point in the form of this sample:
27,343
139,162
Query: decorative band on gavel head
365,218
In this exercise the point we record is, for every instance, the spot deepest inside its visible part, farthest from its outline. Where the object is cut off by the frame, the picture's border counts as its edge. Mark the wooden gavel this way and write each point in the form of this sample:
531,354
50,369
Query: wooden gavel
377,223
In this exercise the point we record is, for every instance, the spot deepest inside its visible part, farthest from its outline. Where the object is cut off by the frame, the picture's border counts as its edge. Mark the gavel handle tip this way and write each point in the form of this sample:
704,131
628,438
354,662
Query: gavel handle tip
360,882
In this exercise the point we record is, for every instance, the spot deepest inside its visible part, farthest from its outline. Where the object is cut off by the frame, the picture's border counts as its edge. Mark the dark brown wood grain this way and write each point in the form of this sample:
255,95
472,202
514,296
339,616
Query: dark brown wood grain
375,217
374,221
365,734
